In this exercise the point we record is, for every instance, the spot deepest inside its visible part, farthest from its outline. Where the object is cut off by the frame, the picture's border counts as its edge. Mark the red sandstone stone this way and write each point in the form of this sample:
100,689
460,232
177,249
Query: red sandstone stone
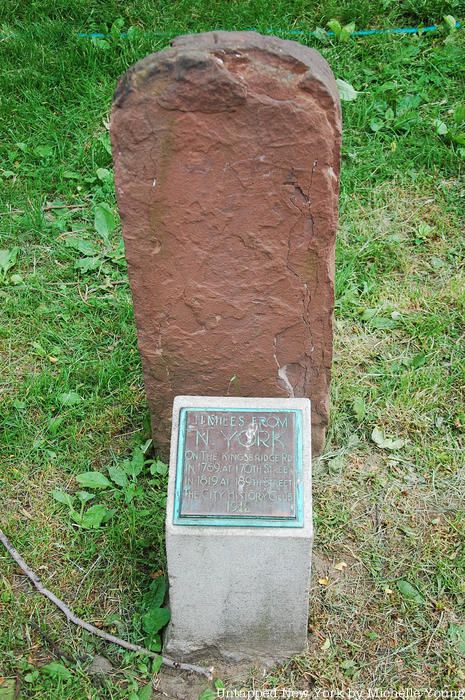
226,152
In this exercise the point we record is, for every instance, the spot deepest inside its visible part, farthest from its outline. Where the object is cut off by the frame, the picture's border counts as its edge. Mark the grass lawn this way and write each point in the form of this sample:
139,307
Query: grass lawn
388,589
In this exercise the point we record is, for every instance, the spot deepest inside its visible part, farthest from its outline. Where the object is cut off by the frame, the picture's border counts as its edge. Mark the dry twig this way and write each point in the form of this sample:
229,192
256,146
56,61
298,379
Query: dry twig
208,672
50,207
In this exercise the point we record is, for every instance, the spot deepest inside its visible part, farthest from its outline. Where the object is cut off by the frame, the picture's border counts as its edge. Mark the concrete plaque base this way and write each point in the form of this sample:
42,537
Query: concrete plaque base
239,590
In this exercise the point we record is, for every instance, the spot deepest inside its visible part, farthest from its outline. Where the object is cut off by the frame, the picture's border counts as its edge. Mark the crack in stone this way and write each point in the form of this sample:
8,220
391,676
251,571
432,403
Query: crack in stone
302,193
310,213
305,293
282,372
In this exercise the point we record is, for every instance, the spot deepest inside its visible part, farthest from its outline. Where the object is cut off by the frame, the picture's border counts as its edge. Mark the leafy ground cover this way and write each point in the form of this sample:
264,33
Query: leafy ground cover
389,570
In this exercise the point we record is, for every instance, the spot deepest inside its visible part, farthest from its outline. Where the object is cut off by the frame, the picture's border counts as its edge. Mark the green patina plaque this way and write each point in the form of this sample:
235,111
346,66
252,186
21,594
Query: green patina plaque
240,467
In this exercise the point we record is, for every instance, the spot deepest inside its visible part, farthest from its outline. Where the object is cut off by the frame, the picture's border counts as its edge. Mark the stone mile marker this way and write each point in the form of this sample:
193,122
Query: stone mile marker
226,154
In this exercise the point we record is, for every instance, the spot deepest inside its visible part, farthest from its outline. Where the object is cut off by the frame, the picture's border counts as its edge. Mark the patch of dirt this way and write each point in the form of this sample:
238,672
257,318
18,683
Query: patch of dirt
174,685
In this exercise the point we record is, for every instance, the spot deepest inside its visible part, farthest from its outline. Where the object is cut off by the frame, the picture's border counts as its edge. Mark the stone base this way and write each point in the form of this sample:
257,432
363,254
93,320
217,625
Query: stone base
238,595
240,592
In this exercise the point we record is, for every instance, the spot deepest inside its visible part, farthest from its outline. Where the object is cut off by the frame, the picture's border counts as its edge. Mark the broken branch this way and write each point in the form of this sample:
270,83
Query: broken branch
32,576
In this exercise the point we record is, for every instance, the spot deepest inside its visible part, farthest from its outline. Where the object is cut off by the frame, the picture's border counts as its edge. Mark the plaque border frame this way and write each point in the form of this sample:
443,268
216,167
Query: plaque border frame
240,520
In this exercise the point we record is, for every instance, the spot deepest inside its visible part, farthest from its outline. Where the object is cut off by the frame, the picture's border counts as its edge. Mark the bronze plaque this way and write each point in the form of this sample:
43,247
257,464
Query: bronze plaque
238,463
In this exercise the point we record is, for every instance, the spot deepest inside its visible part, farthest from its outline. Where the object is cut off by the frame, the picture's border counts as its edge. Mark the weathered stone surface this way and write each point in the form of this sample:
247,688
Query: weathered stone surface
226,152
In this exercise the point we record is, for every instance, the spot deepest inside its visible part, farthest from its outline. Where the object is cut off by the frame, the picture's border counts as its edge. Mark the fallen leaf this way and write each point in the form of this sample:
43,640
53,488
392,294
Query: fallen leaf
156,574
340,566
385,443
347,92
326,644
26,514
323,581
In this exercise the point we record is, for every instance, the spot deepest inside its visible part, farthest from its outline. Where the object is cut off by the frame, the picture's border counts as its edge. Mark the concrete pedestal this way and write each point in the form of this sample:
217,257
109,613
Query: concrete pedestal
239,592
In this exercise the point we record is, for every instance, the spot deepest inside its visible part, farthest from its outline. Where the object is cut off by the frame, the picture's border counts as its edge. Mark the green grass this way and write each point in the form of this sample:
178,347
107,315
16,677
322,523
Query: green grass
399,365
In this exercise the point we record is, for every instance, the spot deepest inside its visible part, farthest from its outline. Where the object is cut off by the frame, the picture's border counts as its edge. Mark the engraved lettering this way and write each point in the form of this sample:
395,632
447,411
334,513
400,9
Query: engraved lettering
239,464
